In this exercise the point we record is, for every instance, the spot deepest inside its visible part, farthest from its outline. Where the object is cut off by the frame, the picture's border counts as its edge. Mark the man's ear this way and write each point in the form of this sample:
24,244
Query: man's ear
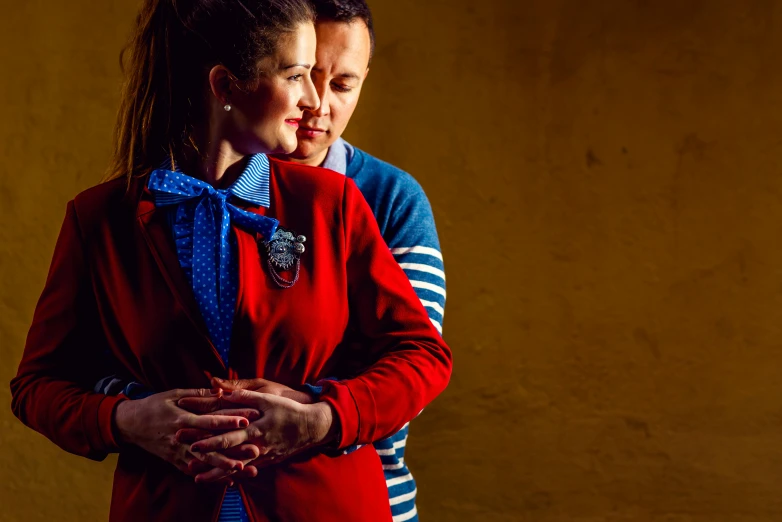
220,80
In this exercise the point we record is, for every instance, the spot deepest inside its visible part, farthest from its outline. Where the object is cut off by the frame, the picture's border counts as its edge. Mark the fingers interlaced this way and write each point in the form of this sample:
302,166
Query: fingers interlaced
243,452
204,469
218,429
215,422
191,435
218,460
201,404
258,400
248,413
223,441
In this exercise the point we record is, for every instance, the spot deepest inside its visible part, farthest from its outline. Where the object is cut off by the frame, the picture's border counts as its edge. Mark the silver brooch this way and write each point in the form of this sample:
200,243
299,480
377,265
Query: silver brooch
284,252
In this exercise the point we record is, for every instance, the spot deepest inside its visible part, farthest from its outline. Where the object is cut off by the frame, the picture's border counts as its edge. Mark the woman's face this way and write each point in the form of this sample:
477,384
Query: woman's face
265,116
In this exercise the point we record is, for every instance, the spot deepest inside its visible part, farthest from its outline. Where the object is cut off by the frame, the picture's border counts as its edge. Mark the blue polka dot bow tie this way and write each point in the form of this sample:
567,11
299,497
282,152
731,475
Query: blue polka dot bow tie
212,253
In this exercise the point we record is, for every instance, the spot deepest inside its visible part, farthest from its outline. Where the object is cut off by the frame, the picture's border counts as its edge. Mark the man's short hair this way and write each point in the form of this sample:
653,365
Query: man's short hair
346,11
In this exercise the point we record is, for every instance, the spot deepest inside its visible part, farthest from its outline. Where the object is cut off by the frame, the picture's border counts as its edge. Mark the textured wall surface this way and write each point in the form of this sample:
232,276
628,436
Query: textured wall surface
606,179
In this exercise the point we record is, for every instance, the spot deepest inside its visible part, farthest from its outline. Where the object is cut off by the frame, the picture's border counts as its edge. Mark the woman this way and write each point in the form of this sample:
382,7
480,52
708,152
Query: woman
204,258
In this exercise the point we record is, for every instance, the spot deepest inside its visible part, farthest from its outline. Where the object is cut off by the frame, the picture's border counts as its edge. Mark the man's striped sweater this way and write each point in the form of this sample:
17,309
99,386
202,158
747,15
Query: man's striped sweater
407,224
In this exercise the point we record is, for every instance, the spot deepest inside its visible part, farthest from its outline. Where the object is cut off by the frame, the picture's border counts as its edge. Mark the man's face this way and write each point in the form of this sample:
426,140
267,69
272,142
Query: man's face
341,65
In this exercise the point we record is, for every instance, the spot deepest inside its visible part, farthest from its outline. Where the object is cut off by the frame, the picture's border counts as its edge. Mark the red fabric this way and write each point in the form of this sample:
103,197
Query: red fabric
115,284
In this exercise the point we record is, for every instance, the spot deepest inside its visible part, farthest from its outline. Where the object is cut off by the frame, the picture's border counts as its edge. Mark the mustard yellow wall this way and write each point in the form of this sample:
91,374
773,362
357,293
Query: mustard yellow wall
606,179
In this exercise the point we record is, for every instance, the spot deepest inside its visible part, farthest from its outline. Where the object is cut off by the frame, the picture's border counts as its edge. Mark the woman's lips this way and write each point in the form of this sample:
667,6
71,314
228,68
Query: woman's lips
310,132
293,122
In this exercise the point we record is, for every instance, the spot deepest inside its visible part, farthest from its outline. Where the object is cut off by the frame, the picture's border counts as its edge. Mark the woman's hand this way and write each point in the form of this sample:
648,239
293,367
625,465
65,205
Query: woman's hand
153,422
284,429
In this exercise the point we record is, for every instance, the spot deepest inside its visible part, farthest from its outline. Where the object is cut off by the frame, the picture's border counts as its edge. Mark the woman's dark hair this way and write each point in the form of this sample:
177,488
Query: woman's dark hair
347,11
173,46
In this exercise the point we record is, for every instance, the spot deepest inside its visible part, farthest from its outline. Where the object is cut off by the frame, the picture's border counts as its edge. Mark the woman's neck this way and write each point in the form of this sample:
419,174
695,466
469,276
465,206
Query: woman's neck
216,162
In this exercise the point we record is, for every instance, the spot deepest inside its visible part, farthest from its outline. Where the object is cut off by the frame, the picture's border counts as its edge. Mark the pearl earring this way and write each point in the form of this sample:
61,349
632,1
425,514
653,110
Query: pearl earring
227,107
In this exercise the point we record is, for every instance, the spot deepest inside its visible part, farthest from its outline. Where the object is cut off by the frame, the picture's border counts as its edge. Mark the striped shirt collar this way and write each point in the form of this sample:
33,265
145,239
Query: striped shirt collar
252,185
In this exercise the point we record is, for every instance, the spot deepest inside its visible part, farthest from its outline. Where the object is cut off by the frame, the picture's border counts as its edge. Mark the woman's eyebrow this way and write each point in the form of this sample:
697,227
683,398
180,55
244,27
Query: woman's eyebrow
305,65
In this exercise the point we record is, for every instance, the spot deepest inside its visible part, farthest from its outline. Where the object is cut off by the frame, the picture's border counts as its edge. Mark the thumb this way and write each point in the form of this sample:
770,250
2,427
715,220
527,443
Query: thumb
238,384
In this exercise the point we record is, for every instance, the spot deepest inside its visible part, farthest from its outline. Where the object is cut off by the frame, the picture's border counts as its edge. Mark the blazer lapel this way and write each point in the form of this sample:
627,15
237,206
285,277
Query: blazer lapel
154,227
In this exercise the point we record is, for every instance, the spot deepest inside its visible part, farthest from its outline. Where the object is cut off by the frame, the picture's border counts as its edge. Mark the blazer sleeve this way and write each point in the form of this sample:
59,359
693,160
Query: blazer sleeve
63,357
411,362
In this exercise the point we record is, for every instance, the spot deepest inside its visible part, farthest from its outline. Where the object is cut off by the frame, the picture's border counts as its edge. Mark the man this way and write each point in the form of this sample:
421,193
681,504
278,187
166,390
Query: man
345,44
345,37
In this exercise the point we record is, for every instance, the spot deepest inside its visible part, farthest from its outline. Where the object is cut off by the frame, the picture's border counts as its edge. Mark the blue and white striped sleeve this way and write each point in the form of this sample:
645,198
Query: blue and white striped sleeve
411,235
424,269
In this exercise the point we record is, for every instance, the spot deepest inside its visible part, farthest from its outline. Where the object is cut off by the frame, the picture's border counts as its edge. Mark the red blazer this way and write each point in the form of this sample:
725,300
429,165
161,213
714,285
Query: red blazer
115,285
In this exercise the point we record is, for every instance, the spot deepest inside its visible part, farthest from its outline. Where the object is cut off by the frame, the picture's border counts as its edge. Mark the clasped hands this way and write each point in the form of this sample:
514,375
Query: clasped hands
228,432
